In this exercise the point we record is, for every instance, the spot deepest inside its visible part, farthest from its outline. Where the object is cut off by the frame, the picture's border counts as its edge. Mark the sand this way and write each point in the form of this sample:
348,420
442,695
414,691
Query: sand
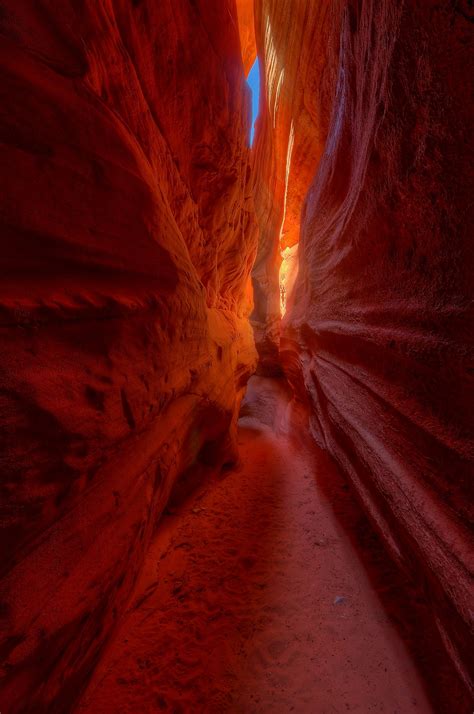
254,598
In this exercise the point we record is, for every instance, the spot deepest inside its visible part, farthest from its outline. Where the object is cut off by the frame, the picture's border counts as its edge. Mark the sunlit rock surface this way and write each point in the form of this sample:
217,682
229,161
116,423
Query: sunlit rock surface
246,24
379,339
128,236
295,43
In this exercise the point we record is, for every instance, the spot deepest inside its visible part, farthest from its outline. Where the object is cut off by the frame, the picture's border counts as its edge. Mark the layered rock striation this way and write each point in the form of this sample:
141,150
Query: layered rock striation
379,339
295,42
128,235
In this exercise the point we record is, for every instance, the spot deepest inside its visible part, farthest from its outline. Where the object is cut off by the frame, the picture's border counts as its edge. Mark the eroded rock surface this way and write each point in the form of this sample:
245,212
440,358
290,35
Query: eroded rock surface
379,341
296,44
128,236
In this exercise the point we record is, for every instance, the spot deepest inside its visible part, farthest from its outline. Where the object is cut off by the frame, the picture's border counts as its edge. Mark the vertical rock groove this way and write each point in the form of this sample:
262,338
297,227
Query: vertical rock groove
378,340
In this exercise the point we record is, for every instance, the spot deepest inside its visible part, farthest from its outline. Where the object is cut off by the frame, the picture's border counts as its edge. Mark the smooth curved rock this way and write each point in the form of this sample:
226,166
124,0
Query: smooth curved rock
128,235
128,202
245,16
379,339
295,43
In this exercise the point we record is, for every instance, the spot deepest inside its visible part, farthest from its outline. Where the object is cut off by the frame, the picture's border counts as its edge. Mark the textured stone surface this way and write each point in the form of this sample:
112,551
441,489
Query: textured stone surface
127,240
379,339
295,43
245,16
128,235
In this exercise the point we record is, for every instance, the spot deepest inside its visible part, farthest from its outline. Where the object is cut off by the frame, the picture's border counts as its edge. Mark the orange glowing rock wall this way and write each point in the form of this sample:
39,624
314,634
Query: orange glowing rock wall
296,90
379,340
128,235
246,24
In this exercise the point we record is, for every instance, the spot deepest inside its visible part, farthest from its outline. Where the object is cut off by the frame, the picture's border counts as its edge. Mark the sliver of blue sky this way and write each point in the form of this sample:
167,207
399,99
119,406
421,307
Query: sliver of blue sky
253,81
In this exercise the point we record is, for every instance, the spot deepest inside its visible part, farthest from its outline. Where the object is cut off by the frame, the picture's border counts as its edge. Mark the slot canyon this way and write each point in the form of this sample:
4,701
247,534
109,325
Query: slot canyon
237,370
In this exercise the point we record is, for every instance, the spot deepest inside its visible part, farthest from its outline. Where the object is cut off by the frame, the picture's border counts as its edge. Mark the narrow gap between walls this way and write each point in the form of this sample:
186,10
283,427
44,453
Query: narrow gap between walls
253,81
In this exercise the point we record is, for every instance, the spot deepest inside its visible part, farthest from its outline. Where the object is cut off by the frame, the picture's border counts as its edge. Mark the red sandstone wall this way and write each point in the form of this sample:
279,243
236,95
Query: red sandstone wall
245,16
295,41
380,338
127,240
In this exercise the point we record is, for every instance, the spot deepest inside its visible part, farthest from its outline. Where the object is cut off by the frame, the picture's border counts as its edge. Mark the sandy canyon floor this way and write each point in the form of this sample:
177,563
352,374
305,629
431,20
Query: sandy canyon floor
259,593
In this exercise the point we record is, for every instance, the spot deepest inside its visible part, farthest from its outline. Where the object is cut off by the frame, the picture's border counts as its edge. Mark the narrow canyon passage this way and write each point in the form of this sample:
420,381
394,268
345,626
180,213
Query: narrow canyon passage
226,616
236,356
